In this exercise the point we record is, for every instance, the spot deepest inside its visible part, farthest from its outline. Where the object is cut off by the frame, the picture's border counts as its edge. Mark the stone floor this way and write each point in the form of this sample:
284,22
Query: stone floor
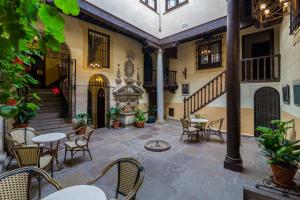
188,171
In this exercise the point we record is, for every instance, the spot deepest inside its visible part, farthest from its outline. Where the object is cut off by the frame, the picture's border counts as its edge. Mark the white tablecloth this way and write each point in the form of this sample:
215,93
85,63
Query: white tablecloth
78,192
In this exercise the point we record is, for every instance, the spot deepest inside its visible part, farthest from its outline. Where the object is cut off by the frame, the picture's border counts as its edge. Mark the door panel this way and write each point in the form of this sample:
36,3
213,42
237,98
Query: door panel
266,107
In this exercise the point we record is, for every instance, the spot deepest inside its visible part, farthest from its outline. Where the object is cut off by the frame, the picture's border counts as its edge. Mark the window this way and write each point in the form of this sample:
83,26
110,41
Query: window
171,4
98,50
150,3
209,54
286,94
185,89
295,16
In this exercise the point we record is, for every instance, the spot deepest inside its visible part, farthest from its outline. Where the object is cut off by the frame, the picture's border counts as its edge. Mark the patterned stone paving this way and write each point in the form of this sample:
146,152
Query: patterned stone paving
189,171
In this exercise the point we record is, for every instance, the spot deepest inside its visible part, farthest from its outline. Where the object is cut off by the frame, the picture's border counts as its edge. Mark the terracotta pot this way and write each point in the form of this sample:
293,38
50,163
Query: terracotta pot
140,124
81,130
116,124
283,176
25,125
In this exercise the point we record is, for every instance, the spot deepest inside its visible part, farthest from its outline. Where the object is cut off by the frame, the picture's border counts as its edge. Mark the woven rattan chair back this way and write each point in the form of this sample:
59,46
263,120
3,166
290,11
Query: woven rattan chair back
217,124
130,177
15,184
23,136
88,132
27,156
185,123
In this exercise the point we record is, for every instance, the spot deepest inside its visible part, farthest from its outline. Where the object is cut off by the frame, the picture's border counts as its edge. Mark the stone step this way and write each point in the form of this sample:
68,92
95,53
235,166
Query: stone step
47,121
56,130
50,104
45,116
44,127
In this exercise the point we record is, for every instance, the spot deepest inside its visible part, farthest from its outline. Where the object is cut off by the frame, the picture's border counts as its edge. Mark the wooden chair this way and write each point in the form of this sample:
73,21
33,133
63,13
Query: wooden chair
80,143
18,138
214,128
15,184
188,130
130,177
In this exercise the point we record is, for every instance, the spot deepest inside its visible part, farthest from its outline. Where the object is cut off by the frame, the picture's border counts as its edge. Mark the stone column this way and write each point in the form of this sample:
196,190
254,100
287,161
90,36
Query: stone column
233,159
160,86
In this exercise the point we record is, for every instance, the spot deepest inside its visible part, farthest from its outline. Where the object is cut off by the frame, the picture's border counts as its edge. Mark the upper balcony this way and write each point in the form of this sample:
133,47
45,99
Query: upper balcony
261,69
150,77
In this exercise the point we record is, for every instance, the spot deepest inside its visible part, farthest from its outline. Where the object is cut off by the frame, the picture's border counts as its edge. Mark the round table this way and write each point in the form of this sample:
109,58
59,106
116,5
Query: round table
199,120
51,137
78,192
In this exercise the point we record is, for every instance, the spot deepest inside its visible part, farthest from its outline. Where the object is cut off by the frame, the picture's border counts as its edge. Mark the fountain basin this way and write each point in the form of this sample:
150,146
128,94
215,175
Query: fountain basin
157,145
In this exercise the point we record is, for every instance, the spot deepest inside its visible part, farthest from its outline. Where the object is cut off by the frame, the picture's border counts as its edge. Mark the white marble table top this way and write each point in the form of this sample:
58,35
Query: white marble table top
49,137
199,120
78,192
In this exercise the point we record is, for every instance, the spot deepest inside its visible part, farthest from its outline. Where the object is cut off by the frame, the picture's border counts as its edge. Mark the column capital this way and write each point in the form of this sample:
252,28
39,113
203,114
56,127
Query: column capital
160,51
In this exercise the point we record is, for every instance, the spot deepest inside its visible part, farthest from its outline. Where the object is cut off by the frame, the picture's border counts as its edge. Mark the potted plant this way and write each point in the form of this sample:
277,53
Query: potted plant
80,122
283,154
139,119
114,113
151,114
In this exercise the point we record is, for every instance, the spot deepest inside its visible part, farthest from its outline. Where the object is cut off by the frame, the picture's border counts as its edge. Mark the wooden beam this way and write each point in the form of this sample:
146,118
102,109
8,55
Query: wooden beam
196,31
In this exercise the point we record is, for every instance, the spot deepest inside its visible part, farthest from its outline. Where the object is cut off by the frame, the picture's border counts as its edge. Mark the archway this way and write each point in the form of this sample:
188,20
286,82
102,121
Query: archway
98,100
266,107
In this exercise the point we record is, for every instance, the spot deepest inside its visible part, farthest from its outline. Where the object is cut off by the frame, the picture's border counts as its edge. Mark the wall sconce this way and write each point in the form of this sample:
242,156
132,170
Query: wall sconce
184,72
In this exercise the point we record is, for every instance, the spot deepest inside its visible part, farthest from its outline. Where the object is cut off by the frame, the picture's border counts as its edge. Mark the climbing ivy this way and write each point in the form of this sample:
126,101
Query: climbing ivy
21,39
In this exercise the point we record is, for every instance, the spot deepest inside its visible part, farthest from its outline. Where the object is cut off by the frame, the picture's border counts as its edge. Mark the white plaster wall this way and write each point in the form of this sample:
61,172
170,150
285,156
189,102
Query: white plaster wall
132,11
290,63
194,13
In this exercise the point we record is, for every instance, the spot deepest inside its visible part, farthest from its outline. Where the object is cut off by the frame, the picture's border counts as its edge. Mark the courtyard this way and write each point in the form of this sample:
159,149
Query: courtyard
189,170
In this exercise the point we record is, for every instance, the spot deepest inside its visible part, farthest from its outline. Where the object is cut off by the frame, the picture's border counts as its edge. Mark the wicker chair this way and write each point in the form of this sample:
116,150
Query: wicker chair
81,143
188,130
130,177
15,184
214,128
17,138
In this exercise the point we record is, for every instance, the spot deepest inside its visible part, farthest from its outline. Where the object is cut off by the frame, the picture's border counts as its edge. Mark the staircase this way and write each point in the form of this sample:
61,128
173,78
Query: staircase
205,95
49,118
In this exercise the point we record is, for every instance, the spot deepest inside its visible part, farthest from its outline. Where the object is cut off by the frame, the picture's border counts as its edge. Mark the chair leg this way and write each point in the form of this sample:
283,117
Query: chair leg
221,137
72,157
9,162
52,168
88,150
65,155
40,187
181,136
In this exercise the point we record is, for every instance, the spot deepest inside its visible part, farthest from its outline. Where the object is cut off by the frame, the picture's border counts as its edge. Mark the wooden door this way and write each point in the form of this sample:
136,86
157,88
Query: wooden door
101,109
266,107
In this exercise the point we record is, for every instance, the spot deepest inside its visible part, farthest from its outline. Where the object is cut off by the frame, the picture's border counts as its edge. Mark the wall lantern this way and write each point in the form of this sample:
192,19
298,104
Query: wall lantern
268,12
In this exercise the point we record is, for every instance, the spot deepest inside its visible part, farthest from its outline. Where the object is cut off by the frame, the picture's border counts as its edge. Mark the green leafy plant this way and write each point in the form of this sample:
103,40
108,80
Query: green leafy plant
152,110
82,119
21,40
114,113
274,145
139,116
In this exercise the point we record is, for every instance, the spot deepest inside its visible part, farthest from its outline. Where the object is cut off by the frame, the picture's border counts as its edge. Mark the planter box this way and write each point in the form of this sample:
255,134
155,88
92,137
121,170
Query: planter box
127,119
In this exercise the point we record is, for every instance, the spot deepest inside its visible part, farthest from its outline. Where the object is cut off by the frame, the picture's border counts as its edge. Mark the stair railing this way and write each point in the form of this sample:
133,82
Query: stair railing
205,95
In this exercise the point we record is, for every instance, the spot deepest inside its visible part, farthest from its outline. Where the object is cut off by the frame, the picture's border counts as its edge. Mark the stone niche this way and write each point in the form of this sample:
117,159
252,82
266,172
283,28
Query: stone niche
127,96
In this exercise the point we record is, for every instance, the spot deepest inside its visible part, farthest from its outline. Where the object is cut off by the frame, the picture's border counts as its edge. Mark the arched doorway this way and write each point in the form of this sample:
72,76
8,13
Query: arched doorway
101,108
53,65
98,100
266,107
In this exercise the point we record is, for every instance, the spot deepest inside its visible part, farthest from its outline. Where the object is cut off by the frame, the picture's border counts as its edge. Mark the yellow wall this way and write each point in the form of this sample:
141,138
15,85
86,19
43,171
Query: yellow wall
76,33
